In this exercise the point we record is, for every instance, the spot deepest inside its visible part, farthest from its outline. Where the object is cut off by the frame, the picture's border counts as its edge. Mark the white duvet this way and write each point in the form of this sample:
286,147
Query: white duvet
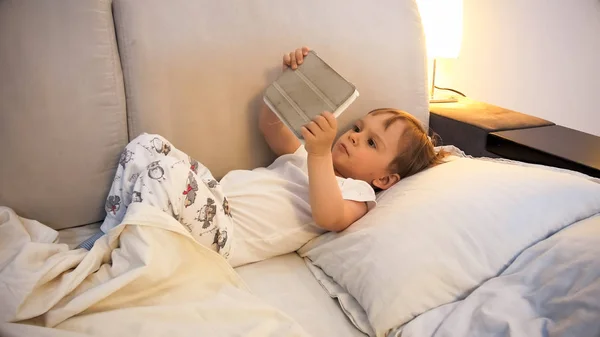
146,278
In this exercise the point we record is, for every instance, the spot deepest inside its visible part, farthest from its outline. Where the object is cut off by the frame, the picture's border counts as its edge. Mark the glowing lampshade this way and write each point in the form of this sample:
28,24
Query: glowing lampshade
442,21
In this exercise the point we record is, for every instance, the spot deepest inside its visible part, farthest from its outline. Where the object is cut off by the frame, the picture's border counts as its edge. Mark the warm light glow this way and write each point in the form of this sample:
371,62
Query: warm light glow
442,21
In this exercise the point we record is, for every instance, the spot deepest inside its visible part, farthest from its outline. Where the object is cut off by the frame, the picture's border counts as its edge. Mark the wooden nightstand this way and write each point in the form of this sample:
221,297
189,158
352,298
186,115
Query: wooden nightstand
467,123
551,145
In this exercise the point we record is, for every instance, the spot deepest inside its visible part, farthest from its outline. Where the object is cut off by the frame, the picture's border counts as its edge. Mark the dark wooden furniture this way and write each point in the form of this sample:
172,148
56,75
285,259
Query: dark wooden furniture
550,145
467,123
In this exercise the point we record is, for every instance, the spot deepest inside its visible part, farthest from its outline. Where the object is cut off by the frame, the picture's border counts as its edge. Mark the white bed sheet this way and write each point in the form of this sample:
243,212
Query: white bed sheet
76,235
284,282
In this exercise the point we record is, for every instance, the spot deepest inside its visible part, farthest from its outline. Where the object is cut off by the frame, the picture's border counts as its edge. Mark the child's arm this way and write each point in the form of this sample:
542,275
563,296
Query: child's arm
281,140
330,211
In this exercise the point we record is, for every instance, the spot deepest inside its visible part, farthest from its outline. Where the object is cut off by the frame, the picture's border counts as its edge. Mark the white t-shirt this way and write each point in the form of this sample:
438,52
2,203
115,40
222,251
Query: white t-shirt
270,207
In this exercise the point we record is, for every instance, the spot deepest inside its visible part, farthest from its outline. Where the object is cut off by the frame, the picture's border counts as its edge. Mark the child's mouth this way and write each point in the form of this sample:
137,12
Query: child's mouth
344,148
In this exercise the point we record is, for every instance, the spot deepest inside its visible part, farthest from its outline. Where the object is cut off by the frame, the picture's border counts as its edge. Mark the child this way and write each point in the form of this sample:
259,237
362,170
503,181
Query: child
253,215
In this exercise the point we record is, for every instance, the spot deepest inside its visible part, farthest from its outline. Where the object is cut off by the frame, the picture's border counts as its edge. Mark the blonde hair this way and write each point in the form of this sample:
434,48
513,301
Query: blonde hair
417,149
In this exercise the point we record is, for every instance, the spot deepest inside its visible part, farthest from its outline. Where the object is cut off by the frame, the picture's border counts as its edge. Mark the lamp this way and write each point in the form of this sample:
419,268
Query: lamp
442,21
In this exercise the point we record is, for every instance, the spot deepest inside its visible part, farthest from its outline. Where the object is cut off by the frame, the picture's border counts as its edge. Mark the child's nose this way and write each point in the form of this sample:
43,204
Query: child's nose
353,138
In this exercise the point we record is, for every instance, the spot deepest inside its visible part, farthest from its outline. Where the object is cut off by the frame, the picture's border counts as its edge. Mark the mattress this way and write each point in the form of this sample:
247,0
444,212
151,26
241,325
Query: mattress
284,282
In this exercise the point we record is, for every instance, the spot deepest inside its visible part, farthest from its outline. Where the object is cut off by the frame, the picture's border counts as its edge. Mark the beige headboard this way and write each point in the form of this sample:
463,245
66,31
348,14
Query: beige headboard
62,109
191,70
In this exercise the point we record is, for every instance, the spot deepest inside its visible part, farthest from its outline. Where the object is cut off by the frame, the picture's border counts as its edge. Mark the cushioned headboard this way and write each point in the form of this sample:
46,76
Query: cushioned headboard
62,109
195,70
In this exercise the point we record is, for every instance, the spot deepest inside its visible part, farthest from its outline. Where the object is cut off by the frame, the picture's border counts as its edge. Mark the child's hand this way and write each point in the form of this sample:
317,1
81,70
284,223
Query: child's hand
295,58
320,133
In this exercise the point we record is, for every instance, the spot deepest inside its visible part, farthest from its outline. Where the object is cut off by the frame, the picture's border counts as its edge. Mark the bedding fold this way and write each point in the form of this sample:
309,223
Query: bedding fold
146,276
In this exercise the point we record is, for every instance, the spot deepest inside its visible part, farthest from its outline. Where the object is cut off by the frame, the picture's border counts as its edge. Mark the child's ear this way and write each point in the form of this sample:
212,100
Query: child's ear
386,182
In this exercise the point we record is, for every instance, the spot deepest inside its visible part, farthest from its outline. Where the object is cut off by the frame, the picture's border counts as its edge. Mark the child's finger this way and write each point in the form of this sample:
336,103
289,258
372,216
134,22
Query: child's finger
305,50
294,64
322,122
330,118
299,56
313,128
306,134
286,60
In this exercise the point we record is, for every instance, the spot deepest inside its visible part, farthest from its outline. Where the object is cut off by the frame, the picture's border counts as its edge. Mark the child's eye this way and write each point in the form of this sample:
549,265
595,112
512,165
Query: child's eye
372,143
356,128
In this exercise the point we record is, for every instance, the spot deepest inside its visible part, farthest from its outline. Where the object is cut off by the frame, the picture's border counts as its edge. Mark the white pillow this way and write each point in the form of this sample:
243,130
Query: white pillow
437,235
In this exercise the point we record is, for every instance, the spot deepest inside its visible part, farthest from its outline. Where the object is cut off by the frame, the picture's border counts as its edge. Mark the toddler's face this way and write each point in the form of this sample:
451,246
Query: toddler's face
366,150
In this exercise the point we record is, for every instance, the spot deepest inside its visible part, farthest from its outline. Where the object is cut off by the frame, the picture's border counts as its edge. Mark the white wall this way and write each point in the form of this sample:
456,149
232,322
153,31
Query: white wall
540,57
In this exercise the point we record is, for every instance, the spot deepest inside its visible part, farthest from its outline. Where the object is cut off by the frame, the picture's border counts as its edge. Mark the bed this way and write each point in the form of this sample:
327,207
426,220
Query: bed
475,246
284,282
